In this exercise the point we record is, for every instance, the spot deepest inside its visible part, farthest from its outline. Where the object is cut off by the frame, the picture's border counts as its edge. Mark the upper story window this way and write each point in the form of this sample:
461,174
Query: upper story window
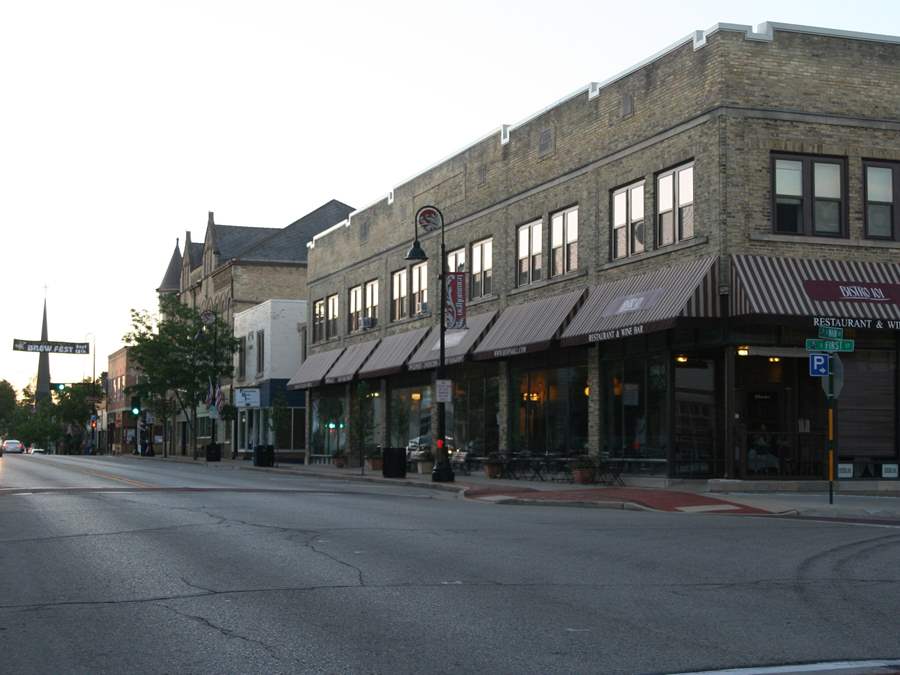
456,260
331,322
809,195
420,288
530,258
371,295
628,221
882,187
399,298
242,356
564,241
260,351
318,320
675,204
354,315
482,267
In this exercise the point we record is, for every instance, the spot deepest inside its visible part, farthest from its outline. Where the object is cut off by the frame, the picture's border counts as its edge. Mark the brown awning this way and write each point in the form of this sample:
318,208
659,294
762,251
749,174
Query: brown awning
842,292
314,369
392,353
457,343
528,327
647,302
350,361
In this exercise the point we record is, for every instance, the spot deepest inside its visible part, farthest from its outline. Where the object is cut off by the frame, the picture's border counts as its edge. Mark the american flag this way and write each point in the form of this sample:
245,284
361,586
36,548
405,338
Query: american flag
210,395
220,399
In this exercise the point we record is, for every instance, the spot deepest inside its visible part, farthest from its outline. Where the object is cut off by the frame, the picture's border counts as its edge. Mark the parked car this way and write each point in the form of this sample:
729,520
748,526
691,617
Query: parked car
36,451
12,445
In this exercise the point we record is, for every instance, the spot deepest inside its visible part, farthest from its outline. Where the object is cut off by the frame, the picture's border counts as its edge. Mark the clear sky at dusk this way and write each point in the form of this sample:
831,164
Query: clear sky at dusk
122,123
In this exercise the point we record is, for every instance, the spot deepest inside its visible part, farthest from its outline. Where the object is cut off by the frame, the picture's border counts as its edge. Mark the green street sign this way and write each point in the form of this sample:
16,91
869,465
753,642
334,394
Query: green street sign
813,345
831,333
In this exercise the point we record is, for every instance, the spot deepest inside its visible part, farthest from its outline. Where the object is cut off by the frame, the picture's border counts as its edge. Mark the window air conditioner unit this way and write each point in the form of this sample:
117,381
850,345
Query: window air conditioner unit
368,323
425,308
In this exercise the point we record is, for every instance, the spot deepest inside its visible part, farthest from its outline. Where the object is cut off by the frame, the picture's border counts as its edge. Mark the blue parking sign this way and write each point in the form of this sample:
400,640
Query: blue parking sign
818,365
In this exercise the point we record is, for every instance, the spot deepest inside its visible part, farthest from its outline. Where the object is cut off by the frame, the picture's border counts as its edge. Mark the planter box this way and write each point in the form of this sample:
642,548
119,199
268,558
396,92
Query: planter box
375,463
493,470
426,467
583,476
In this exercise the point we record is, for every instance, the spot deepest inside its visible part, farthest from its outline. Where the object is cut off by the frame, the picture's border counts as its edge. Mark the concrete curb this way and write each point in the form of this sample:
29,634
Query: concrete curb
618,506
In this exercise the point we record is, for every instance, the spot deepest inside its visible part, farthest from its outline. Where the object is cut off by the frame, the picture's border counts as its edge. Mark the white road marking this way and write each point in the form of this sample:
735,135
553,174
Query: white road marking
825,666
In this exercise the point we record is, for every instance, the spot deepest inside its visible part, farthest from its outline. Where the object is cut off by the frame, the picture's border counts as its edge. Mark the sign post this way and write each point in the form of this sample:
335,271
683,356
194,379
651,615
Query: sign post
830,369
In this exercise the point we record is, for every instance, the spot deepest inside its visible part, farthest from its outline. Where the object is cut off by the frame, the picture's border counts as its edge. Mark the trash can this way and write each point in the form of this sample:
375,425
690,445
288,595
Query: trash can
394,464
264,455
213,452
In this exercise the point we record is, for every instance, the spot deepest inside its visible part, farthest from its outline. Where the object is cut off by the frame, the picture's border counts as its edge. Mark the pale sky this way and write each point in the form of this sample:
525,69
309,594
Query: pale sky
123,123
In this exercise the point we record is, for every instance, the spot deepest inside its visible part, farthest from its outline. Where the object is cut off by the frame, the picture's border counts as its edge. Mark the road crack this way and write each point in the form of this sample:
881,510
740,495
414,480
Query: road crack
227,632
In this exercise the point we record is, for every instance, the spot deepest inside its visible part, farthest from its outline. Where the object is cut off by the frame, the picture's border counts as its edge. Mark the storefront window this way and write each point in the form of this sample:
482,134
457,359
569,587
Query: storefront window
471,418
410,412
329,425
549,410
635,412
695,417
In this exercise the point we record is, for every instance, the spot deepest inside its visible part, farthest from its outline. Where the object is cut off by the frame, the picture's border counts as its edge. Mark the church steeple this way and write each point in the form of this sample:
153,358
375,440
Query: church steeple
43,374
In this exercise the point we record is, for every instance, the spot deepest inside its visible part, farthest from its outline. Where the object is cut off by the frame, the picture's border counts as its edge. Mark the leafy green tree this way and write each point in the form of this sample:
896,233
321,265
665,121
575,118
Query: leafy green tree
38,424
7,405
74,407
178,356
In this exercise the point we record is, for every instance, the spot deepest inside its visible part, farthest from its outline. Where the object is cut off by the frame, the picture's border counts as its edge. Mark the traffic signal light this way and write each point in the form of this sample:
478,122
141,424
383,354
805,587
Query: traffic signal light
57,386
135,405
93,424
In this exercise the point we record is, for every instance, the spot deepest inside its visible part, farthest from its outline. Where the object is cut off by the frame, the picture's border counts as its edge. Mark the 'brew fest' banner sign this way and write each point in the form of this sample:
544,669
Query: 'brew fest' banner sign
39,346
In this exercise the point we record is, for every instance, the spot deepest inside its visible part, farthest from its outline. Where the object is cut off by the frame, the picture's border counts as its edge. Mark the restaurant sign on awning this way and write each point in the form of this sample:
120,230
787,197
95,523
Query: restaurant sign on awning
48,347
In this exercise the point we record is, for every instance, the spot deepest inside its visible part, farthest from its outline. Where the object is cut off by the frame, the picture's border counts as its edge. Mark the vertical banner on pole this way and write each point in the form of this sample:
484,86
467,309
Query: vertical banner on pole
456,300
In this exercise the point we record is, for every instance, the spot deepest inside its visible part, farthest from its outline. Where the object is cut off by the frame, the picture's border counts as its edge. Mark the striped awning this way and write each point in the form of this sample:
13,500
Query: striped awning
457,343
392,353
529,327
351,361
314,369
647,302
842,290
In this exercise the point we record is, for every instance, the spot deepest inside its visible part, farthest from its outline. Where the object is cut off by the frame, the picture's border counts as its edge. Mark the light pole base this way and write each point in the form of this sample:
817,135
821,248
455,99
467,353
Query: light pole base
442,473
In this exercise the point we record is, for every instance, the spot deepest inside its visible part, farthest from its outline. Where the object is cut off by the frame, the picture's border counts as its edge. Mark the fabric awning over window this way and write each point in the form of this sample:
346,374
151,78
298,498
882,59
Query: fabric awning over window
392,353
528,327
349,362
314,369
647,302
457,343
841,292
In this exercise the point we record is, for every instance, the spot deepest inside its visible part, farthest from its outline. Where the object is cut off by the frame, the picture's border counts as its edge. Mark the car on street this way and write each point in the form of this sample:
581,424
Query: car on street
36,451
12,445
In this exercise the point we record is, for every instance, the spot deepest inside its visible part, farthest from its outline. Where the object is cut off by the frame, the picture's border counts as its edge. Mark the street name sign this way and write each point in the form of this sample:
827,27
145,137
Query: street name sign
818,365
820,345
833,333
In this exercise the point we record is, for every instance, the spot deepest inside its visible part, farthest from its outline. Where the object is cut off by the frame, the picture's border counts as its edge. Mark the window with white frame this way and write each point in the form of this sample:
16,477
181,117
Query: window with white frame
564,241
420,287
371,295
456,260
482,267
628,221
399,299
530,253
331,323
354,314
260,352
675,205
319,320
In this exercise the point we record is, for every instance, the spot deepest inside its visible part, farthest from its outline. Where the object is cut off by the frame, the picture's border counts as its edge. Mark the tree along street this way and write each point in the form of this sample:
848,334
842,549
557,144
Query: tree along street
127,565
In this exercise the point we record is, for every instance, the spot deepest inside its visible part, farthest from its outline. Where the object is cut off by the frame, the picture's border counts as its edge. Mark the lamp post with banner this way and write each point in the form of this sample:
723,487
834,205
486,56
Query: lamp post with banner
208,318
430,219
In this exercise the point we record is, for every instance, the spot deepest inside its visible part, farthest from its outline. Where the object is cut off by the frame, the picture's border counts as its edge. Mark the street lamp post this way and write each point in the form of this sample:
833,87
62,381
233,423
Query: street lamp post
431,219
208,317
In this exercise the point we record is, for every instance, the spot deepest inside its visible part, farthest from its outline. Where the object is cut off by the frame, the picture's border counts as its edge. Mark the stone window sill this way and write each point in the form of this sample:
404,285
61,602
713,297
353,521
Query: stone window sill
824,241
548,282
663,250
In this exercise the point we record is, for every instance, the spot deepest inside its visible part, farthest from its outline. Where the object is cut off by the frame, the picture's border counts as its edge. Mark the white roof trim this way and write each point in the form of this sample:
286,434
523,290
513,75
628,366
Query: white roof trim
765,32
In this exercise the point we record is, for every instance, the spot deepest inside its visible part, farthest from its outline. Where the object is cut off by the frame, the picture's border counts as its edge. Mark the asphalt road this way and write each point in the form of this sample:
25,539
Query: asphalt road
126,565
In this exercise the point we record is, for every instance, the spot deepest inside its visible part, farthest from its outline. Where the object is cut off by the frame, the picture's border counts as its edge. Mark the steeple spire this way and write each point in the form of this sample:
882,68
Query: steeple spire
43,374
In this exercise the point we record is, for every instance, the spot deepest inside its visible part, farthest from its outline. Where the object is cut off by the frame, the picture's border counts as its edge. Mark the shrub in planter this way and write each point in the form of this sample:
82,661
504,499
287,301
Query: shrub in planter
374,460
583,469
493,465
339,458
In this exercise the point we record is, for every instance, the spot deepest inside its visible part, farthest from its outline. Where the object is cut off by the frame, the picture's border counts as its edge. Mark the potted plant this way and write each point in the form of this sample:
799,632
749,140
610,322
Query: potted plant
425,460
339,457
583,469
493,465
374,459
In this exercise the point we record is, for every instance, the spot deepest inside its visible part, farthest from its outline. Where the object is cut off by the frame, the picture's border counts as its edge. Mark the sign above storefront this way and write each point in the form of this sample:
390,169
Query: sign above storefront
246,398
843,322
852,291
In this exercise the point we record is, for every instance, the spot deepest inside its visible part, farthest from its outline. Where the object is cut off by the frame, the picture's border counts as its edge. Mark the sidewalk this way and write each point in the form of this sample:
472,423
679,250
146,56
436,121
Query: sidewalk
694,499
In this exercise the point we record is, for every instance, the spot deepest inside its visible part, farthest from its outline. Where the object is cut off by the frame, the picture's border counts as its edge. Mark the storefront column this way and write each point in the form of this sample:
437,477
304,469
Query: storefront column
594,421
503,404
307,414
382,437
730,440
